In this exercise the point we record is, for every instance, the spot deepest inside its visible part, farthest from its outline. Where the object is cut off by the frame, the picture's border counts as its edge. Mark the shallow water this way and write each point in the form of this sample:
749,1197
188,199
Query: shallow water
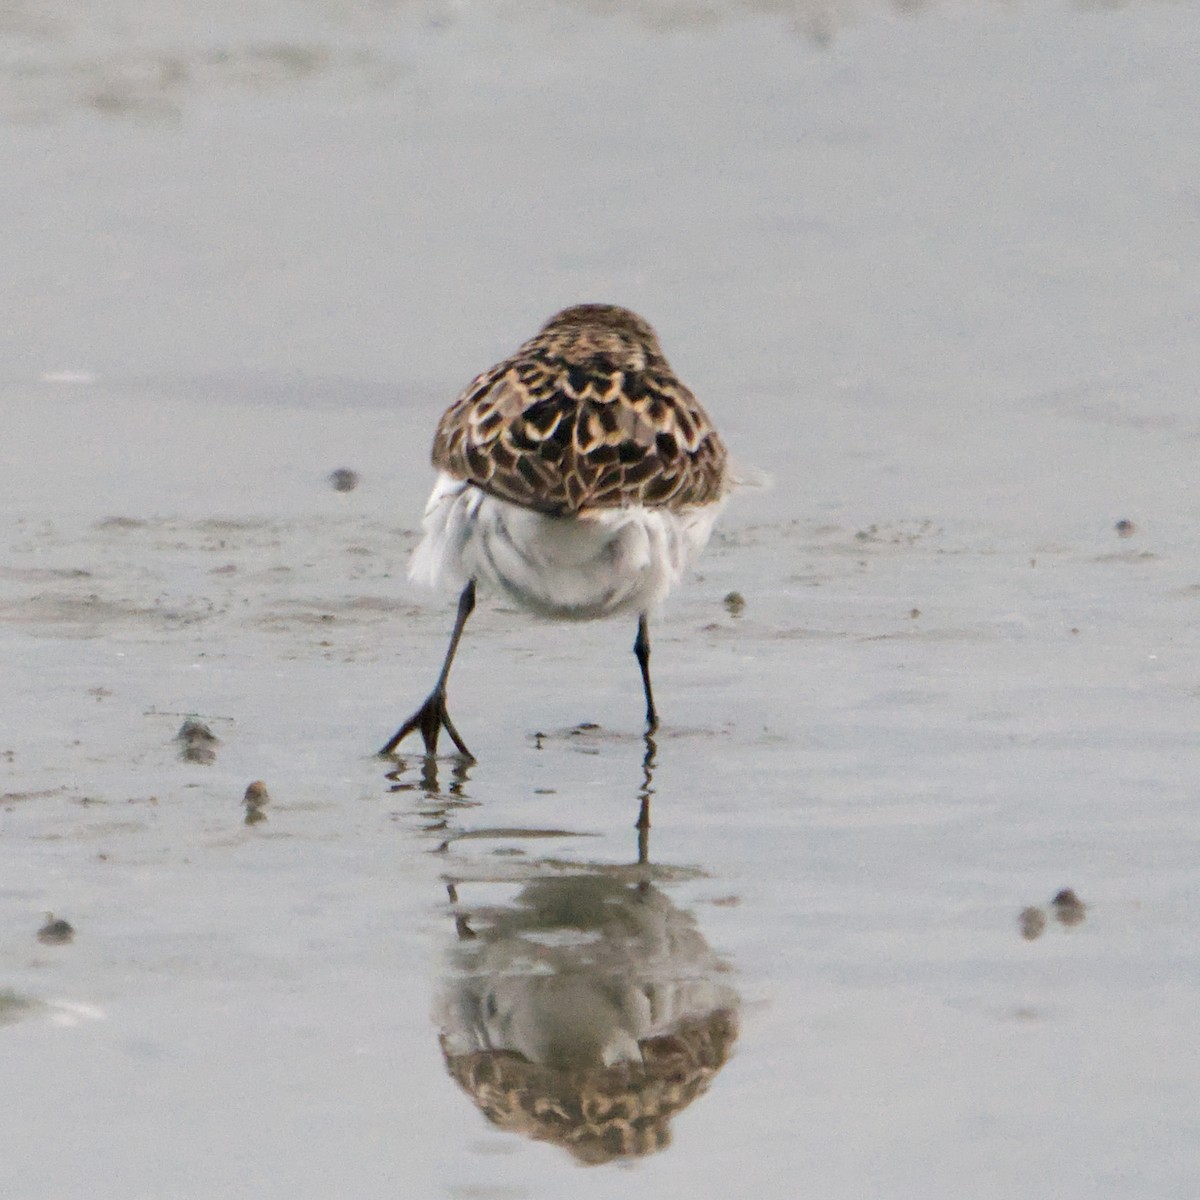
934,270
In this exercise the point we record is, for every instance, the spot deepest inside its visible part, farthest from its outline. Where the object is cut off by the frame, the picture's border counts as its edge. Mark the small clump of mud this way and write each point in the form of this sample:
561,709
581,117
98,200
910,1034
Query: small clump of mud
1066,906
1032,923
56,931
343,479
197,742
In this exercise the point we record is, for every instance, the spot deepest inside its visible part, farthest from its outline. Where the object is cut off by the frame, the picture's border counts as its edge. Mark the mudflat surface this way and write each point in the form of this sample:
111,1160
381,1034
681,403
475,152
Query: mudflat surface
934,271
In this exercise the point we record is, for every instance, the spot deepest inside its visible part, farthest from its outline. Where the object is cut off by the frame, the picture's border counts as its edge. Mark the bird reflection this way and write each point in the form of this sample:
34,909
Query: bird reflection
589,1009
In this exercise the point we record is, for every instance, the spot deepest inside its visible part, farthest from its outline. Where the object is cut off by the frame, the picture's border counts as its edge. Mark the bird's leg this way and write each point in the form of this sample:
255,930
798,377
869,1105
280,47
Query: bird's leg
431,718
641,647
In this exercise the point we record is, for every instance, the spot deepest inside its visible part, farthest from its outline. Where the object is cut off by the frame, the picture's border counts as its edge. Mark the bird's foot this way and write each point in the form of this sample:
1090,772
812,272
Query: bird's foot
431,718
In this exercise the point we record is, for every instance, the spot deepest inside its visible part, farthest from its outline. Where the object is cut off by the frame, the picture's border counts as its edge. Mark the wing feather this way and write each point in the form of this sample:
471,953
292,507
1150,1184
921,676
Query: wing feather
583,418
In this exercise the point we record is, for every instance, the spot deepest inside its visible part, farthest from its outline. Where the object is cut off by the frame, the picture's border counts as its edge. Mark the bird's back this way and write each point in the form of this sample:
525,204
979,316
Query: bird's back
586,415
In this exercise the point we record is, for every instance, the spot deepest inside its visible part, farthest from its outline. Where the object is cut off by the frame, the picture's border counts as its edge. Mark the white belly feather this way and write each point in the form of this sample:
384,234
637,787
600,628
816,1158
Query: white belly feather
575,568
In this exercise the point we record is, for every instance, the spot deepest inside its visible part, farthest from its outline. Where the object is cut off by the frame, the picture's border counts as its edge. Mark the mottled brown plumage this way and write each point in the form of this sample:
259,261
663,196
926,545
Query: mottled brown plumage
586,415
606,1112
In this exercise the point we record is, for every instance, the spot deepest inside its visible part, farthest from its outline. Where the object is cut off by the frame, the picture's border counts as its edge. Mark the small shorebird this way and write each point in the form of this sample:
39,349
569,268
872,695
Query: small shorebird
578,478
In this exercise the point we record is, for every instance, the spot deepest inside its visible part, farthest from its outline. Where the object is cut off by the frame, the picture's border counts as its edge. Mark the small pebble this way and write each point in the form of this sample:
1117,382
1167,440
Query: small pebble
1031,922
255,800
343,479
55,932
256,794
735,604
1125,528
1068,907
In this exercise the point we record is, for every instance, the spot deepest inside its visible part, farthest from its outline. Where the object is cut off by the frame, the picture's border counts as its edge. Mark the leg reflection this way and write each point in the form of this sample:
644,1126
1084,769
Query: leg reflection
644,794
438,804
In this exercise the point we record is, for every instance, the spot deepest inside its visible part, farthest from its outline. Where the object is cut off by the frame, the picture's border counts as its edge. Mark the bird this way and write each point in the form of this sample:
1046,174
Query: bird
577,479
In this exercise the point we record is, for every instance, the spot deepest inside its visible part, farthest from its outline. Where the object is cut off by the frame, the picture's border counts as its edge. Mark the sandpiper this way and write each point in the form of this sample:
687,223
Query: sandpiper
578,479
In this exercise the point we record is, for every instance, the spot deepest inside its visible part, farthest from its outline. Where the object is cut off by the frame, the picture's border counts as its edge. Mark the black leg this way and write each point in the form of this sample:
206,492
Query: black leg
641,647
431,718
